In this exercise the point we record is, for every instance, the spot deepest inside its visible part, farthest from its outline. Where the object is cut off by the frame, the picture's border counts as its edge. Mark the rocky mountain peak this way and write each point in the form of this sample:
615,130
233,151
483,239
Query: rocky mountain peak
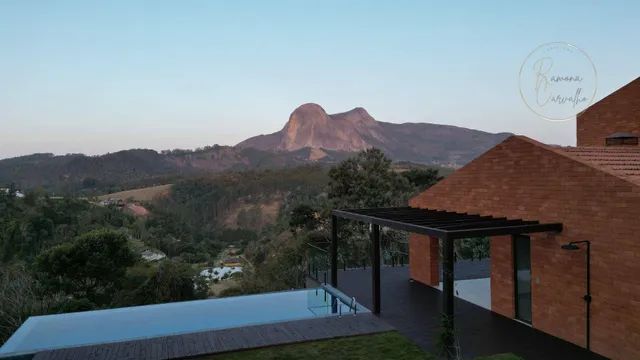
306,115
310,126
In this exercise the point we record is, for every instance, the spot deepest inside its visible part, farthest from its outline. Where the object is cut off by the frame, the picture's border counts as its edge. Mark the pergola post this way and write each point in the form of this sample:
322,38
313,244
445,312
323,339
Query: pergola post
447,287
375,267
334,251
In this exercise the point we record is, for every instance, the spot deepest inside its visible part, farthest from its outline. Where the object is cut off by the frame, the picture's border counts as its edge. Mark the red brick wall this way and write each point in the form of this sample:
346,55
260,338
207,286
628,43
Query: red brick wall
521,178
423,259
618,112
502,290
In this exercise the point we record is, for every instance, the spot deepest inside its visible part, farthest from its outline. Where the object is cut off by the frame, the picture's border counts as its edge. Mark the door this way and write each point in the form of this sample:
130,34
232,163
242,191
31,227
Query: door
522,270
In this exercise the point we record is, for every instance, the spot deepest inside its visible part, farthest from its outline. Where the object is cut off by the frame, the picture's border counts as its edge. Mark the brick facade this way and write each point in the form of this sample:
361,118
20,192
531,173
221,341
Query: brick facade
521,178
424,255
618,112
502,287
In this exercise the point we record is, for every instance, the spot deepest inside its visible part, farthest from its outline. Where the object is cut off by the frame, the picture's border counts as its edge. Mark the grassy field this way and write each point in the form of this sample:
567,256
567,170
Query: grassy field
390,345
144,194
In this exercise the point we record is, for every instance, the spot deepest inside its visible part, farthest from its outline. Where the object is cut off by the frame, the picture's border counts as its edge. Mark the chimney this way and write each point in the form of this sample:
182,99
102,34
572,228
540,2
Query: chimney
622,139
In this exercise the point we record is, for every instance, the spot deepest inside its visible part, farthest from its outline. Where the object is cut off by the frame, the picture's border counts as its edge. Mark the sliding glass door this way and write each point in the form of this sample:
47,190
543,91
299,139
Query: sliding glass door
522,269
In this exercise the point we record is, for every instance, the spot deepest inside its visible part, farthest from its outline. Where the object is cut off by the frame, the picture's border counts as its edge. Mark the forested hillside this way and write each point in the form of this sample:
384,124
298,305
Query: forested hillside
77,174
60,254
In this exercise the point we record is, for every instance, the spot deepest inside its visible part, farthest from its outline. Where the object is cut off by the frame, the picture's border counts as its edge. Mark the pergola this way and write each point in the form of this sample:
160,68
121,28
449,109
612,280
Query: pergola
445,225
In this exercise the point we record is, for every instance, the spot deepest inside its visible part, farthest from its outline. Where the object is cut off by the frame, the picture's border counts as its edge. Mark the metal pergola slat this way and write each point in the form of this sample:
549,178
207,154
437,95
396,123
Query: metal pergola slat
445,225
485,224
437,222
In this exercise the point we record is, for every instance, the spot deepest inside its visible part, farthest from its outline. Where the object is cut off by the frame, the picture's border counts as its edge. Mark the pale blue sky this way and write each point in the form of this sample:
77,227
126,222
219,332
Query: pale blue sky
98,76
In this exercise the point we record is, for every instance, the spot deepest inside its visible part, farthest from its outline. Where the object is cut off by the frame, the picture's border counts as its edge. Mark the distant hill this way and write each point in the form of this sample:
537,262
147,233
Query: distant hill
64,172
310,136
309,126
77,173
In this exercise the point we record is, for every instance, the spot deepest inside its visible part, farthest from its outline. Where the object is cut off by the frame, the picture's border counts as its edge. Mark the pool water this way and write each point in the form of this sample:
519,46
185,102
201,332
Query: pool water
113,325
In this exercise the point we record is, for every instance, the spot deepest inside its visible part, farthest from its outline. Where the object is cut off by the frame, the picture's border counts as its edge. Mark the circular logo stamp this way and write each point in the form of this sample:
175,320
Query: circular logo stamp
557,81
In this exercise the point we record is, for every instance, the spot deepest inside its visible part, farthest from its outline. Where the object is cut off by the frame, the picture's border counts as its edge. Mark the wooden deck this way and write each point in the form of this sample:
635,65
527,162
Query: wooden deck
414,310
218,341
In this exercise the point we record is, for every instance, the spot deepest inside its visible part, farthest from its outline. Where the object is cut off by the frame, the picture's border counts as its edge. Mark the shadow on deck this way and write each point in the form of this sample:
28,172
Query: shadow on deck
414,310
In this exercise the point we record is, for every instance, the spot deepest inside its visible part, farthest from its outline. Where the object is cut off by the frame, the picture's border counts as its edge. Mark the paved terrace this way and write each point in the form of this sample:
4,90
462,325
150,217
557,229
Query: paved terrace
226,340
414,309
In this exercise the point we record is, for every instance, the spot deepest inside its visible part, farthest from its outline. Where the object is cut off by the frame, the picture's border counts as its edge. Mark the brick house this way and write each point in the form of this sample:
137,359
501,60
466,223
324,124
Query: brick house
594,190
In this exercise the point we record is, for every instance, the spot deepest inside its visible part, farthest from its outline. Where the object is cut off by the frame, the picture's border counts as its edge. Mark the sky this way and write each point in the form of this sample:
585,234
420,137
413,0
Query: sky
102,76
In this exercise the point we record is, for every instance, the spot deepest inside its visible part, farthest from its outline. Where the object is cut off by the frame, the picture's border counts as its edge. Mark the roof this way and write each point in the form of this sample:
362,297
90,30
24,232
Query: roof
623,162
620,161
445,224
624,88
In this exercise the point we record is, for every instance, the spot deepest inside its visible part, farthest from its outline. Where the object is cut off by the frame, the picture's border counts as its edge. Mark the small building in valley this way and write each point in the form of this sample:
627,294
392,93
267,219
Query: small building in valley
232,262
152,255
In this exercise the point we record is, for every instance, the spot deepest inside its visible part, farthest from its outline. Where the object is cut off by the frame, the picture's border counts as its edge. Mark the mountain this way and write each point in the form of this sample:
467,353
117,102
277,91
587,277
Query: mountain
310,136
309,126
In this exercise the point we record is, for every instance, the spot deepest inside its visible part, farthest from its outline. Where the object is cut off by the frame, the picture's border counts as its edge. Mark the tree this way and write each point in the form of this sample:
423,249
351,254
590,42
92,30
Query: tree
91,266
422,179
304,217
250,218
282,267
89,182
21,298
367,180
472,248
171,281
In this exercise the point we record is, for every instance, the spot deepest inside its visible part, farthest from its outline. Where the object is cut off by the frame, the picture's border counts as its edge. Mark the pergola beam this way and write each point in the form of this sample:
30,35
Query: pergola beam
485,223
395,224
504,230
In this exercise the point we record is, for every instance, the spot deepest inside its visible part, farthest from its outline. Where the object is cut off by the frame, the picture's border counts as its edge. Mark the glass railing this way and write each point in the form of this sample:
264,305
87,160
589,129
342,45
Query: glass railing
395,252
318,262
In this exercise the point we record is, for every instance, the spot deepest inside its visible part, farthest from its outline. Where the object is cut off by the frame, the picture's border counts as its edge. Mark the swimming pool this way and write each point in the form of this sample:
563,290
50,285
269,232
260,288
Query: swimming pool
113,325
